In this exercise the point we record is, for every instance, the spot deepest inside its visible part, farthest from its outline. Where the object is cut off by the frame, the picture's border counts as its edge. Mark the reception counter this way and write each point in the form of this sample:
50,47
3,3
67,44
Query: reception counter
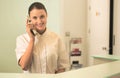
100,59
105,70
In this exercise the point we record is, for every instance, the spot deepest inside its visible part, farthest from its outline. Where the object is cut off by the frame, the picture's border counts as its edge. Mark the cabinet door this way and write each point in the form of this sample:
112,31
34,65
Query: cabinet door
98,26
116,50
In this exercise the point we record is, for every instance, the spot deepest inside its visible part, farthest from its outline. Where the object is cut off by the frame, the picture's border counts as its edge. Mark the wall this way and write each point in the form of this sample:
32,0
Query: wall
75,23
13,15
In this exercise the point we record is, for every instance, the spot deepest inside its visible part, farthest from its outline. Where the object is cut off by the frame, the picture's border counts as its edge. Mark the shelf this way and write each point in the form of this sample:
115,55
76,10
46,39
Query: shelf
76,53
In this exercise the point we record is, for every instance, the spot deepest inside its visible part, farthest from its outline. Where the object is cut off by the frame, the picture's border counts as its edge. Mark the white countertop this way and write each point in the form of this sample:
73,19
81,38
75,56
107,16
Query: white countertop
109,57
96,71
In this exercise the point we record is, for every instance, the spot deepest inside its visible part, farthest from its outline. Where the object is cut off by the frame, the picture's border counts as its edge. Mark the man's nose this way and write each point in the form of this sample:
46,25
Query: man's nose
39,20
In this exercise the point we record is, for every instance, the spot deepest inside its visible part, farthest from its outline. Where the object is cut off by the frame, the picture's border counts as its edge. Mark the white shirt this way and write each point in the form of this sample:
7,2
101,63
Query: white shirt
49,53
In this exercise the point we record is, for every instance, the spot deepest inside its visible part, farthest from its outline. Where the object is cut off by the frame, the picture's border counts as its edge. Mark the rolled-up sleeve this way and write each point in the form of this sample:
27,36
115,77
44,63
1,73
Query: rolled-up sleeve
20,47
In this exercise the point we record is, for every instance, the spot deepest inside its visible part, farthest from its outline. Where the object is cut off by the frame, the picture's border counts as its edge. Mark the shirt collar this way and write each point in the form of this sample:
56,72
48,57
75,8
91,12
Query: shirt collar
43,35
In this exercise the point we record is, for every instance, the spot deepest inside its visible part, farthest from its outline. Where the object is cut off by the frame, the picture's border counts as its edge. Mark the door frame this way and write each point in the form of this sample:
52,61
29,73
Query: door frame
111,27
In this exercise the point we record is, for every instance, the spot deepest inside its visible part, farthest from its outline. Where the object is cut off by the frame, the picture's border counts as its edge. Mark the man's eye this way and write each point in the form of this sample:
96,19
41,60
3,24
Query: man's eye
42,16
34,17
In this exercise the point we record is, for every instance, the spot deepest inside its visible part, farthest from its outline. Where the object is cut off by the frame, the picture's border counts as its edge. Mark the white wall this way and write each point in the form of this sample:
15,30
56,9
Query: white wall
75,22
13,15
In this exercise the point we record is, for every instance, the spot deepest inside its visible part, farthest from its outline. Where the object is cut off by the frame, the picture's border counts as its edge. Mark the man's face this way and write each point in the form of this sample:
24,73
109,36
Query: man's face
39,19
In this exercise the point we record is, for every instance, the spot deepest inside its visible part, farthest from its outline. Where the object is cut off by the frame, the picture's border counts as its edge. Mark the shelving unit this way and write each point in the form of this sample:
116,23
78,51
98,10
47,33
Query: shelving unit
76,59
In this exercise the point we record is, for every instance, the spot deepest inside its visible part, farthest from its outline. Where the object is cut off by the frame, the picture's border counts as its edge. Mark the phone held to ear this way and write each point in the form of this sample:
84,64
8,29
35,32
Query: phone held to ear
34,32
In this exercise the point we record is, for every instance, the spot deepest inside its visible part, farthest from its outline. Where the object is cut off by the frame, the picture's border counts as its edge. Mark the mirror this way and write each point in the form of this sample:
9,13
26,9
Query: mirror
67,18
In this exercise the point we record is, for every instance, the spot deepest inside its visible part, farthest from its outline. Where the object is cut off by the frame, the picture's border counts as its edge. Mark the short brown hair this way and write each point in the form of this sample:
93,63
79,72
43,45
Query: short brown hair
36,5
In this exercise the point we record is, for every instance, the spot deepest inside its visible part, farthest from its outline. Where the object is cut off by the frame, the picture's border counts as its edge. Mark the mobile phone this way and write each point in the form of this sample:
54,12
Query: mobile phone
33,31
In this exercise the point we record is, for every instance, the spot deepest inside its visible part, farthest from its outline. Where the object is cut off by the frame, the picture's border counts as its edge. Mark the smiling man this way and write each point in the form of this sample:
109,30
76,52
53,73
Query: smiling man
41,52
